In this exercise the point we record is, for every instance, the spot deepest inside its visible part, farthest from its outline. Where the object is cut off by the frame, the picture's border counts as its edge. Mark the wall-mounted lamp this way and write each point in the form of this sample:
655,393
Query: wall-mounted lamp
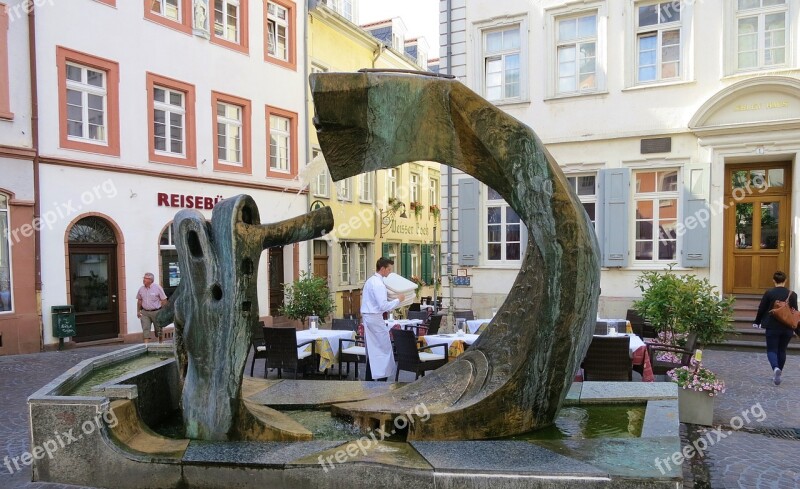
388,215
317,204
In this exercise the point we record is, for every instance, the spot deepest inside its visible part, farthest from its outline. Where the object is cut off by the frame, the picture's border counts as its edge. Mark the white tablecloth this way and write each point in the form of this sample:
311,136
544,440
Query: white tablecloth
402,322
332,335
474,324
426,306
438,339
634,344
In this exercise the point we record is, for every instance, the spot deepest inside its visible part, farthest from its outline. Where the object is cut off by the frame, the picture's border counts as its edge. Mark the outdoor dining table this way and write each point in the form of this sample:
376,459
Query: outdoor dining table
476,326
637,349
456,344
326,344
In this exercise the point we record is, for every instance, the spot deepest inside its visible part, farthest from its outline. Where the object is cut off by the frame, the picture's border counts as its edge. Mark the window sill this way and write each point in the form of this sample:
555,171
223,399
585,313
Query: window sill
737,74
511,103
658,85
8,116
361,201
569,96
500,266
657,266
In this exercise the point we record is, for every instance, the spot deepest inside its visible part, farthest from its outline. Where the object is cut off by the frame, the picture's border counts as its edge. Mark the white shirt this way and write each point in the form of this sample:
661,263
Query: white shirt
375,297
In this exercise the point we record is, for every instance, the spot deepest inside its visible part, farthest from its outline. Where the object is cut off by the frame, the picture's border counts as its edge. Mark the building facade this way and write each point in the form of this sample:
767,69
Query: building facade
182,104
676,123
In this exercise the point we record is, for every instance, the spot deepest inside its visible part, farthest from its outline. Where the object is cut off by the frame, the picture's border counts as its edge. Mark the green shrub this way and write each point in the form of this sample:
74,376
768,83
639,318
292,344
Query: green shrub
307,296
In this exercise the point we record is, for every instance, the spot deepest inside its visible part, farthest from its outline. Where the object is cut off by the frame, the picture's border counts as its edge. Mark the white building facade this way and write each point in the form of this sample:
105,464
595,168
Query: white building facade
147,108
677,122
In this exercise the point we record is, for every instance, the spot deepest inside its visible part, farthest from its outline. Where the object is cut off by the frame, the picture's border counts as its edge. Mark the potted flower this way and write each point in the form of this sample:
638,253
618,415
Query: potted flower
435,211
308,296
420,283
416,206
394,203
697,387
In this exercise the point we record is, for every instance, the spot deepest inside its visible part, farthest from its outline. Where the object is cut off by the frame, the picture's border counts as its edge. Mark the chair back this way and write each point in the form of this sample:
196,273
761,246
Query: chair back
691,346
351,316
414,307
468,315
433,326
418,315
257,333
608,359
344,324
405,343
281,347
641,326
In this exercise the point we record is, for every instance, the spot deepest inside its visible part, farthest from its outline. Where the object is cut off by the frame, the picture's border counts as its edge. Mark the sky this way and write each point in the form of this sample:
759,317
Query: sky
421,17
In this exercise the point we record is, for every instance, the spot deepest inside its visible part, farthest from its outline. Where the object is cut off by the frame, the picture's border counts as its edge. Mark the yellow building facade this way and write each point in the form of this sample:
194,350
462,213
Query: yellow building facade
367,225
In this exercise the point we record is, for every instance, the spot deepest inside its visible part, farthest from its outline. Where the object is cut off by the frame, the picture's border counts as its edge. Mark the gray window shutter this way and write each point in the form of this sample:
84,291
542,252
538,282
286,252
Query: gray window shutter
693,226
615,189
523,240
468,222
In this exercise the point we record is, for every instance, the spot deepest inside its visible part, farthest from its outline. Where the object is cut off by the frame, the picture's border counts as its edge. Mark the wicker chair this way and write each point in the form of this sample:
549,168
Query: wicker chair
468,315
661,367
433,324
281,349
608,358
641,326
345,325
413,359
355,353
414,306
257,343
419,329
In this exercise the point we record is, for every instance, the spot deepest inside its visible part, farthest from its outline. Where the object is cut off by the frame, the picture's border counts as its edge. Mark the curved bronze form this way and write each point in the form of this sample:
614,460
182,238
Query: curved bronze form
516,375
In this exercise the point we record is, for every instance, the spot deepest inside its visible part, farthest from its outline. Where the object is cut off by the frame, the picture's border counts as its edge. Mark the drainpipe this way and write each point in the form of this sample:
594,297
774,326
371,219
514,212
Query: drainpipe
37,237
378,52
449,58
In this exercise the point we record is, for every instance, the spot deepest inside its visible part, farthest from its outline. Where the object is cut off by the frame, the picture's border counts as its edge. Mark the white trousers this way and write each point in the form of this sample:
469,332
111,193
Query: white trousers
379,346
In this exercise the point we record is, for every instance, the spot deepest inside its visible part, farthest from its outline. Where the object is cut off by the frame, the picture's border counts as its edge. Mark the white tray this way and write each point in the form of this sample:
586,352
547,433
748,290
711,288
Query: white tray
397,284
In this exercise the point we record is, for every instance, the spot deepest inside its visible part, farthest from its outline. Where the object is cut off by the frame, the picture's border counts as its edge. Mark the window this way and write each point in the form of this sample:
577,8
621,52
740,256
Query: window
365,187
171,121
501,63
503,230
433,192
415,263
344,189
390,252
576,54
176,14
342,7
231,133
280,33
658,42
5,256
391,183
656,207
170,265
229,20
414,187
5,95
88,102
282,135
321,182
344,273
398,42
761,33
586,188
363,261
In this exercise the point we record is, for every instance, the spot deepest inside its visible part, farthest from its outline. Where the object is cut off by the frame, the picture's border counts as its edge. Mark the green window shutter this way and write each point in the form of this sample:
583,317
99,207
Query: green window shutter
426,263
385,250
405,260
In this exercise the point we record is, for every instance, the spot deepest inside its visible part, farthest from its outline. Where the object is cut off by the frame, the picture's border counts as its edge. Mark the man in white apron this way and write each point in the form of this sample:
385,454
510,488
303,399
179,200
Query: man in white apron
374,302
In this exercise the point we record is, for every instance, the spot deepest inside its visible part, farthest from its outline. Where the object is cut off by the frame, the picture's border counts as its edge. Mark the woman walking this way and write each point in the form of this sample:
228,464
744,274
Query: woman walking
778,335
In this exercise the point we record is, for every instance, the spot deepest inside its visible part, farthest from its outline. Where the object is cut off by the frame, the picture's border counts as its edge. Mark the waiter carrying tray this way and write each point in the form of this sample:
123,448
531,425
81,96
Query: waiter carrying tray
374,302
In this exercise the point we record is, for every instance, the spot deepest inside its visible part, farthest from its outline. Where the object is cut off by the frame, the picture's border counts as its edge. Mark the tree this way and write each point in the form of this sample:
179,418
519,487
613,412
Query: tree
307,296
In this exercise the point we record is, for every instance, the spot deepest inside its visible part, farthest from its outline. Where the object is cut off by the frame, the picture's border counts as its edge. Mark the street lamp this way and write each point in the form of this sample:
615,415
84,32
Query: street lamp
388,214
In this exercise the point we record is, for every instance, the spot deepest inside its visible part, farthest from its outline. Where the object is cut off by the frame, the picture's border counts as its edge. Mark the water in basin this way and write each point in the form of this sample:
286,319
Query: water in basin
592,421
104,374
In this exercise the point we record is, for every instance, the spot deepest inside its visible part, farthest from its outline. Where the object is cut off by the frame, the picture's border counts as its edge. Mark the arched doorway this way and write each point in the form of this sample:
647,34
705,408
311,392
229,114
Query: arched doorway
93,279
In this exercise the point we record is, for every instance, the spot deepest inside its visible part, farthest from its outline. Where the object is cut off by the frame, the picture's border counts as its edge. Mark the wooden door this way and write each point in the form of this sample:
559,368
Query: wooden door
757,226
275,280
93,291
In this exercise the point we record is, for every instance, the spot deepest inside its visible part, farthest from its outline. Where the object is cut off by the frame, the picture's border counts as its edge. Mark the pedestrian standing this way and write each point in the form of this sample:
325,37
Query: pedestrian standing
777,335
374,302
149,300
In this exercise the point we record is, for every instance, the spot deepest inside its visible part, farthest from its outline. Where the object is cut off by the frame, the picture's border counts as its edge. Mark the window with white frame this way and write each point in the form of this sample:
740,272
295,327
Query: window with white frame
391,253
229,134
363,261
365,187
501,64
416,270
391,183
576,54
761,33
277,31
503,230
433,192
279,143
5,257
586,188
344,189
321,187
344,273
170,9
414,183
87,104
398,41
658,41
169,116
226,20
656,207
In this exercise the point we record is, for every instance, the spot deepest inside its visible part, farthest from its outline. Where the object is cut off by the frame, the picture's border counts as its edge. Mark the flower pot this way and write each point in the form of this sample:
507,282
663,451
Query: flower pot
695,407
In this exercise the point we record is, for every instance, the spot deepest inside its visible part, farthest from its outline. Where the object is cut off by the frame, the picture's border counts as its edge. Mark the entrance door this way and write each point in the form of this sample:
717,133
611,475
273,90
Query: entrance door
275,280
93,279
757,226
321,259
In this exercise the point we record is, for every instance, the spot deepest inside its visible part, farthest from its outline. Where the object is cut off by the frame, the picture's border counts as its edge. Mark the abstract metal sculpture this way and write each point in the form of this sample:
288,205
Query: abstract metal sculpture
516,375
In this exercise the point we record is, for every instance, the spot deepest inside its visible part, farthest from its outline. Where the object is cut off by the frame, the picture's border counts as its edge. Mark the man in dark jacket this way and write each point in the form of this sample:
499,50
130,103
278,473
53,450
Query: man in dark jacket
778,335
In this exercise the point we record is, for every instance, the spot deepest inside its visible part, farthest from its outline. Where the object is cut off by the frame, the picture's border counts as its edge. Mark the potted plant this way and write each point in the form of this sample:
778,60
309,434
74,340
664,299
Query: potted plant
697,387
435,211
416,206
307,296
394,203
420,283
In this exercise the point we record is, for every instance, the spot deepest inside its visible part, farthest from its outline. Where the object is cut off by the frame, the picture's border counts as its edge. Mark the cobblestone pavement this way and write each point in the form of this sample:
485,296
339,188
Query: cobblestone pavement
759,455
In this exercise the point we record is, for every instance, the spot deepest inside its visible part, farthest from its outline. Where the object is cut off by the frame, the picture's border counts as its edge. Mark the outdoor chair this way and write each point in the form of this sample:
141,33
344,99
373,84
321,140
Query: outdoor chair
661,367
414,307
468,315
355,353
283,352
608,358
411,358
257,343
345,325
433,325
419,329
641,326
